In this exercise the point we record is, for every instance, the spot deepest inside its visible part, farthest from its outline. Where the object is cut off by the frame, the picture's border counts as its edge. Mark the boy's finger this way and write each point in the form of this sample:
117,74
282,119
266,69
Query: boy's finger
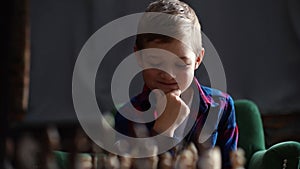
158,94
176,92
188,96
160,100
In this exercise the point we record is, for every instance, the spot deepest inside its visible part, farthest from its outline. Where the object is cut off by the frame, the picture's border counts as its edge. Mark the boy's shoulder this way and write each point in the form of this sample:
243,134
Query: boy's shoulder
215,95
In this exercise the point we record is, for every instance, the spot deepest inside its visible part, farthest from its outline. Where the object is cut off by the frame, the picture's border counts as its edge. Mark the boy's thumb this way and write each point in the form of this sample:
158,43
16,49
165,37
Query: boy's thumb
158,94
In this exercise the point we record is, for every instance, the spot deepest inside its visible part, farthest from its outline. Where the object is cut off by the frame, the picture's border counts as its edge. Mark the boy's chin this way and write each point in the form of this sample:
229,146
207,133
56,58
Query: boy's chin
168,90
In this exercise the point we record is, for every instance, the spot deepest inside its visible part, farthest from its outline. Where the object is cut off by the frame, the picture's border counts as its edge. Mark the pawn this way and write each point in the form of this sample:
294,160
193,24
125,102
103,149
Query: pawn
165,161
148,148
146,163
210,159
125,161
185,160
84,161
111,162
53,138
238,159
27,151
99,156
193,149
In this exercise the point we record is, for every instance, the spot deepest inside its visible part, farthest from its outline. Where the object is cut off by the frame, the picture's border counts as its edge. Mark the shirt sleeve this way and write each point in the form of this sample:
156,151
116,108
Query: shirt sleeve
228,133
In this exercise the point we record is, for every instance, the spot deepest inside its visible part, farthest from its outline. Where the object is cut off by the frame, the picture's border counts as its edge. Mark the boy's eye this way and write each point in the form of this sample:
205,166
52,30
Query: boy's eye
182,65
155,64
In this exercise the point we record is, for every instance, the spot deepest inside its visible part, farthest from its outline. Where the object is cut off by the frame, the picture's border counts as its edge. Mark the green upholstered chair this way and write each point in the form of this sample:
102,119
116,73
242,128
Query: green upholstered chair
251,139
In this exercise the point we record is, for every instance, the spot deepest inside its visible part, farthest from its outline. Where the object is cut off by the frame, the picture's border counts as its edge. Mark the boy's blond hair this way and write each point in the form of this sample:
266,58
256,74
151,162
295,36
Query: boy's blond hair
181,22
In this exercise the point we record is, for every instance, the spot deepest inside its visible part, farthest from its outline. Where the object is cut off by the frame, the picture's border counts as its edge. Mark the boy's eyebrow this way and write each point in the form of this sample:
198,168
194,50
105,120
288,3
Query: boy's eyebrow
184,58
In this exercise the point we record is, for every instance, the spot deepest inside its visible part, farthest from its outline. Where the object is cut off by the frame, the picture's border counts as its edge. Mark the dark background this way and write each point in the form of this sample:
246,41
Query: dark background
257,41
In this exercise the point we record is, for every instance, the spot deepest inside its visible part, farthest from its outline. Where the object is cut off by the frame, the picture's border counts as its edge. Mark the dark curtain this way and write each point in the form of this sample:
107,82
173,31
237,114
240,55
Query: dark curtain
257,41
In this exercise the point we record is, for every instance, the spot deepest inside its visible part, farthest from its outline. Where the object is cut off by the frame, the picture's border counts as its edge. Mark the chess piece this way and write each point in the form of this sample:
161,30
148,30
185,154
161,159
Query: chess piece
27,151
210,159
52,143
238,159
84,161
111,161
125,162
187,158
165,161
99,156
193,149
149,162
53,138
146,163
82,141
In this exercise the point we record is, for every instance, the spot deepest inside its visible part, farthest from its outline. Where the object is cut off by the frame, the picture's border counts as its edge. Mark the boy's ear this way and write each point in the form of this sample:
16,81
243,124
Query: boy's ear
199,59
138,56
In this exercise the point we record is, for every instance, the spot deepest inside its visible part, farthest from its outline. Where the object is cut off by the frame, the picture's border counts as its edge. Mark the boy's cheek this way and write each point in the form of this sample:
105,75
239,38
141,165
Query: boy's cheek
150,74
184,80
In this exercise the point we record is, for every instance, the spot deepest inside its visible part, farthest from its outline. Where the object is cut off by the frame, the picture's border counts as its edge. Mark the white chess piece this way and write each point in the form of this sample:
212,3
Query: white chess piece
238,159
166,161
125,162
210,159
111,162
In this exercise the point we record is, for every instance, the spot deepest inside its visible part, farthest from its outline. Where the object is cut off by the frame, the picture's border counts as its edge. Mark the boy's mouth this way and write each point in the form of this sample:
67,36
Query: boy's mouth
169,85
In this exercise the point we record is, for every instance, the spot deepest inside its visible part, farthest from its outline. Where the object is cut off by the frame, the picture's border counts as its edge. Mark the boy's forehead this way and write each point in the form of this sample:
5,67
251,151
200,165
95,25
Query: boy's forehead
174,47
161,53
171,42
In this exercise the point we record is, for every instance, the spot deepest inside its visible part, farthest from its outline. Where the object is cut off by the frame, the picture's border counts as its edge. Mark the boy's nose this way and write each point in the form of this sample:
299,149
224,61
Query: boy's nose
167,76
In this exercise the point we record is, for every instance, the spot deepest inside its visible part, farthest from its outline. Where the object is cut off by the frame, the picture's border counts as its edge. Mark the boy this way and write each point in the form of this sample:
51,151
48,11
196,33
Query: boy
168,64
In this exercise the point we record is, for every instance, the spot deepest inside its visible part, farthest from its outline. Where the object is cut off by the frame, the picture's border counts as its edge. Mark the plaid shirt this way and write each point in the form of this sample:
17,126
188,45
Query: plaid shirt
213,124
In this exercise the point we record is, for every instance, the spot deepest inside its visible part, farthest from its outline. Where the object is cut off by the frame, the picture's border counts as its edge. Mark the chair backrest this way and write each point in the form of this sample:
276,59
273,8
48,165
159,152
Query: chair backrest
251,133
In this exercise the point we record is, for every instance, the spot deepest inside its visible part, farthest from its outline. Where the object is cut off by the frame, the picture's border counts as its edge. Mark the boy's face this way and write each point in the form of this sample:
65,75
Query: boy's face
175,58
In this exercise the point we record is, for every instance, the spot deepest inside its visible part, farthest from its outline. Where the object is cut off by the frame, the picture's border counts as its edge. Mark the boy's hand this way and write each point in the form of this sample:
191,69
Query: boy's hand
174,110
